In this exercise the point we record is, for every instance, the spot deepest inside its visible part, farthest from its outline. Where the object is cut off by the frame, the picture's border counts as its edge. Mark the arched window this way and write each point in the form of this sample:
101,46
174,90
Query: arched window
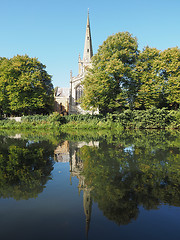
79,93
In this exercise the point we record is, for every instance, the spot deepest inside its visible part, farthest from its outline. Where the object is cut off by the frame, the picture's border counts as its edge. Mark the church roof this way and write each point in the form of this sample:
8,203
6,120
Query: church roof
62,92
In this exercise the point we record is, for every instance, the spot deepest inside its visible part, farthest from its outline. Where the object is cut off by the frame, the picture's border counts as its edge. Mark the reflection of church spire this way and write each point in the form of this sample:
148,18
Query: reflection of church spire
76,168
87,202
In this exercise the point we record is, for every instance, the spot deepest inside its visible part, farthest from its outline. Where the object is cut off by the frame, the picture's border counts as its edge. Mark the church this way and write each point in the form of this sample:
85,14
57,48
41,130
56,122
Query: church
67,99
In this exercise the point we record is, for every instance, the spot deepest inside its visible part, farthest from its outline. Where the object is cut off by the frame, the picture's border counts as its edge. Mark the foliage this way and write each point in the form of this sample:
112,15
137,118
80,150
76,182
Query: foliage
153,118
26,87
158,73
149,91
56,117
37,121
170,73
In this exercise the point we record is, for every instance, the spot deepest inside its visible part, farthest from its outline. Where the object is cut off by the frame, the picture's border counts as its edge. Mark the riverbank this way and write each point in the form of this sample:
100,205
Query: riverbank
33,122
136,119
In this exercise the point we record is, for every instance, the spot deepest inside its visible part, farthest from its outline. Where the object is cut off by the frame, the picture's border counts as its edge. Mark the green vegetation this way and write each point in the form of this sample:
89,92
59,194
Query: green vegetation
35,122
122,77
26,87
129,119
158,73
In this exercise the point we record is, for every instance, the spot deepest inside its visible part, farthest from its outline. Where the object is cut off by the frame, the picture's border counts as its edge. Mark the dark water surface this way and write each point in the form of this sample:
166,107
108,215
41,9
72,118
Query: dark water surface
106,186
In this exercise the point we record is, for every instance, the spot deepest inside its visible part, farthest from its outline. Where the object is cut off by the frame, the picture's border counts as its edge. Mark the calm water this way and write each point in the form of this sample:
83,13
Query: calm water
121,186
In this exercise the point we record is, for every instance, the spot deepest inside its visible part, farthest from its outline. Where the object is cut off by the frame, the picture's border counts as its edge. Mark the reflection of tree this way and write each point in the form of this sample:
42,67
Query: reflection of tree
25,167
124,175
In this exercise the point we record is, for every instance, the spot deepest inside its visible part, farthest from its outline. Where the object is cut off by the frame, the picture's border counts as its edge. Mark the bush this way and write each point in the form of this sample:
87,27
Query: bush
35,118
129,119
56,117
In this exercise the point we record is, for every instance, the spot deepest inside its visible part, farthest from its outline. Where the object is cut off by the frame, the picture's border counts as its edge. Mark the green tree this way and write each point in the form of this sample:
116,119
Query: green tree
26,87
149,91
109,85
170,73
4,100
158,73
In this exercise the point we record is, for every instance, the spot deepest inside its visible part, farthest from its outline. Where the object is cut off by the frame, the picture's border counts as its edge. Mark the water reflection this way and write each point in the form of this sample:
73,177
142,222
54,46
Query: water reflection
76,169
70,152
119,172
127,172
61,152
25,167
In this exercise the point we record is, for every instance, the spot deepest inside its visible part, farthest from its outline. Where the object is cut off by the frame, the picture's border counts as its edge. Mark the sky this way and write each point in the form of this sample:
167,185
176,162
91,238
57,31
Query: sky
54,30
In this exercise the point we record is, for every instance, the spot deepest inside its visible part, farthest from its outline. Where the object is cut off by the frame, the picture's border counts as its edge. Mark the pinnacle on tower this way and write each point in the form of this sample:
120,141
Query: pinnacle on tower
88,51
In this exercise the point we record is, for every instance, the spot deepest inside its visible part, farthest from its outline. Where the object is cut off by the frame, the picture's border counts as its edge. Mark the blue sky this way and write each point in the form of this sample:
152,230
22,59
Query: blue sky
54,30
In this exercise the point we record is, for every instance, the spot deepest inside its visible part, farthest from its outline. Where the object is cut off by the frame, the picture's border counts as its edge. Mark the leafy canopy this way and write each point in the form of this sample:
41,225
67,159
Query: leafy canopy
26,87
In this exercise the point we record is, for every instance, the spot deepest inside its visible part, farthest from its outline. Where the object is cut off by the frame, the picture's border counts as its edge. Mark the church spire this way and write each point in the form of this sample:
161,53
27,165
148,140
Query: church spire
88,51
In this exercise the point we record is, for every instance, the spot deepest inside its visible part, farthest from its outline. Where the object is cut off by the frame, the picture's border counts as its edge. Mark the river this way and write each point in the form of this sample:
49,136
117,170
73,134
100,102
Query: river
90,186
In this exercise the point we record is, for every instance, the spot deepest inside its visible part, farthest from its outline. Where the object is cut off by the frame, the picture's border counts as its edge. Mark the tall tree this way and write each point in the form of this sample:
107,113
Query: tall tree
170,73
4,100
109,85
158,73
149,89
27,86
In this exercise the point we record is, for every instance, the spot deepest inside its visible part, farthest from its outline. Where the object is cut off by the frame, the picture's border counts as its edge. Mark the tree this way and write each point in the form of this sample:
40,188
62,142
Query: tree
158,73
170,73
4,100
150,89
109,85
26,87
